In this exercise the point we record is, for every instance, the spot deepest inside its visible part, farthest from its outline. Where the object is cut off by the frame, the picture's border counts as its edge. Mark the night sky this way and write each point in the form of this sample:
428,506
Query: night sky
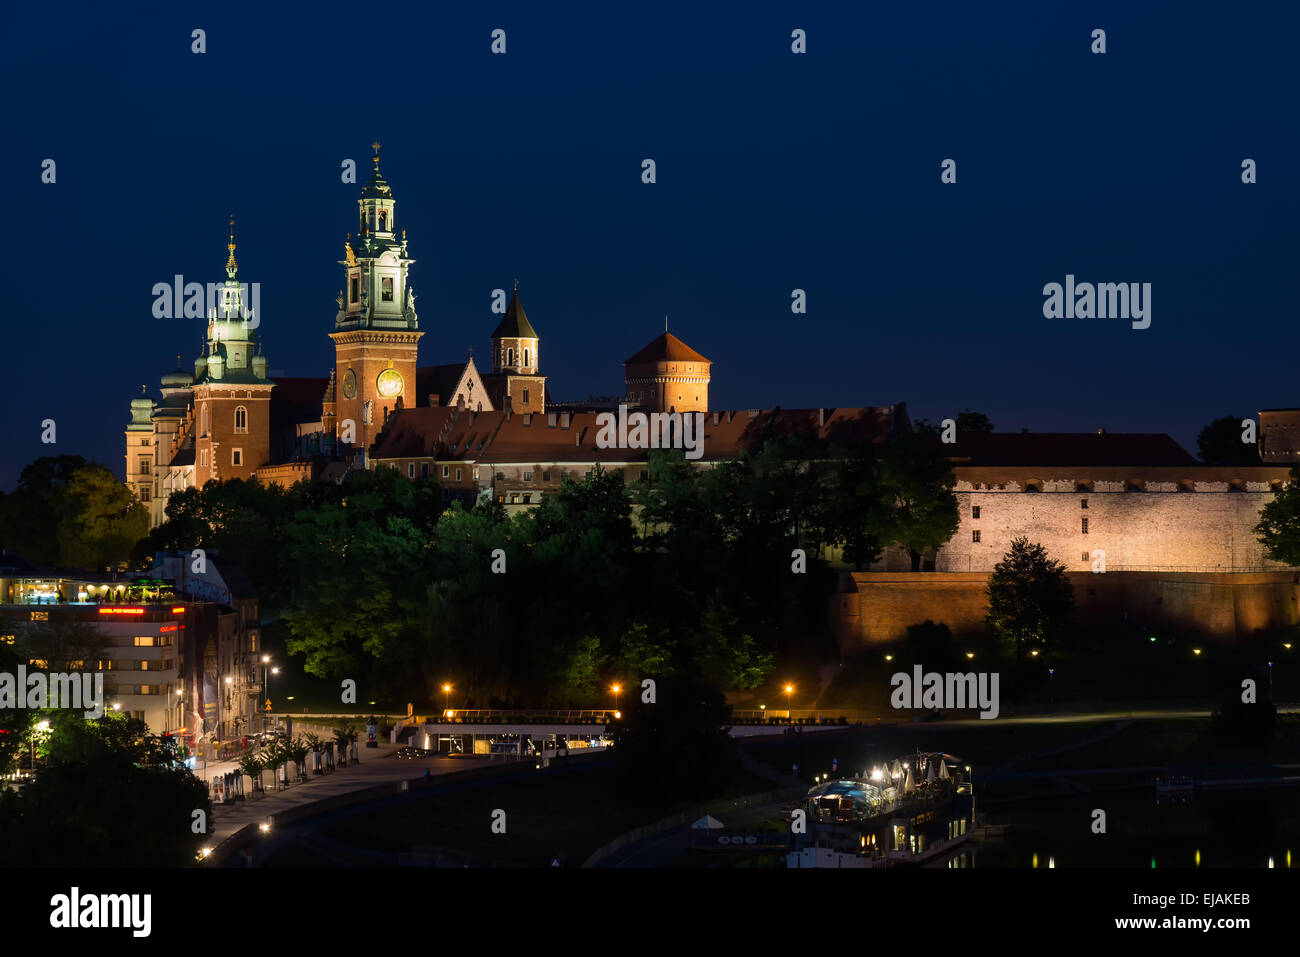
775,172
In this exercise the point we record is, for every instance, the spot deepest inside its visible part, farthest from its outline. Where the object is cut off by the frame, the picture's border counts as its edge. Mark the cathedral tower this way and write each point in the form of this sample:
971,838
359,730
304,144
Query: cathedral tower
232,395
668,376
515,362
376,330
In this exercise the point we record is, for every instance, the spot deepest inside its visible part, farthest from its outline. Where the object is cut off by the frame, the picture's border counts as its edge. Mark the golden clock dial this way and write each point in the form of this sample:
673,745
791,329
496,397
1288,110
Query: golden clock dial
350,385
389,383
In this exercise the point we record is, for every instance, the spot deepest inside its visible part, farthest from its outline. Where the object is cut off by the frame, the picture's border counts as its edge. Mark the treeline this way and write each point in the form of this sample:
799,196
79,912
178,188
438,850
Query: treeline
688,570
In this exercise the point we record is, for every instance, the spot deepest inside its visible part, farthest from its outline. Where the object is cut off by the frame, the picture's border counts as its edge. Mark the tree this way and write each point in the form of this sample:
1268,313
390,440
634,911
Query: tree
63,645
916,484
253,765
1031,601
108,795
71,513
856,515
968,421
678,748
1220,443
1279,522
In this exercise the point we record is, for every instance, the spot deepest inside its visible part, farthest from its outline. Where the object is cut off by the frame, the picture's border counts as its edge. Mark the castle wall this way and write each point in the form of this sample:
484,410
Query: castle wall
877,607
1203,528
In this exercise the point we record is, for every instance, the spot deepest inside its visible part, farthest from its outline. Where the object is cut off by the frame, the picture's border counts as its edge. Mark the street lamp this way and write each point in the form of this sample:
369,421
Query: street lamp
616,688
789,690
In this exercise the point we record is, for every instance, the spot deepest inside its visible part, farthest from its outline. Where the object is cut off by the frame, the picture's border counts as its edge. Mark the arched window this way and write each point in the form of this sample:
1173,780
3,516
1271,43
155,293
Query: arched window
525,357
383,220
510,357
203,420
241,419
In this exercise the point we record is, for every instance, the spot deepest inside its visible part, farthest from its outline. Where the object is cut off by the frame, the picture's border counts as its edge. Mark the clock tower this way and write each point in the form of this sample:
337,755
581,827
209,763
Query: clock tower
376,329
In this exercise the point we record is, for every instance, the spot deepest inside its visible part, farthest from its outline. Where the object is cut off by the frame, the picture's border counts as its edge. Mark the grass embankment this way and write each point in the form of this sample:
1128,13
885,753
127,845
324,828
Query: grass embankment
566,814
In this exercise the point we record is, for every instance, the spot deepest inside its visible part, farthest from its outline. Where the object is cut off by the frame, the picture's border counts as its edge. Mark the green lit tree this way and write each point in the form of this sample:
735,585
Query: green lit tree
1031,601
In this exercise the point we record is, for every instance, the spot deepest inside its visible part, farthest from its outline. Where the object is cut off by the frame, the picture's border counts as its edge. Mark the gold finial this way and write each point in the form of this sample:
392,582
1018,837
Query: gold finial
144,389
230,261
375,146
516,284
178,360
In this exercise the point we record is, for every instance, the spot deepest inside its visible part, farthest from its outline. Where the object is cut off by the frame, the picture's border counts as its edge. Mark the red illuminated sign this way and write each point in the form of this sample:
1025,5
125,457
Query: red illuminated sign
121,611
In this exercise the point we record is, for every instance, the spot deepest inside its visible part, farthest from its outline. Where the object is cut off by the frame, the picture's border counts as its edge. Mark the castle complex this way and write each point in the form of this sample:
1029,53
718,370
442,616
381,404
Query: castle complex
1169,537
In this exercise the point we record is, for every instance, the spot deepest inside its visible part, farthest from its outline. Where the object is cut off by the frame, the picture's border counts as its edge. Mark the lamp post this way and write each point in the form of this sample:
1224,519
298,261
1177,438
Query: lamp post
226,721
266,687
789,690
446,698
616,688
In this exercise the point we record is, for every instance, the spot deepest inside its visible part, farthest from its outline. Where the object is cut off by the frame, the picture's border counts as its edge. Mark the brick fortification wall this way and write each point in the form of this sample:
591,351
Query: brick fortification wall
878,606
1203,529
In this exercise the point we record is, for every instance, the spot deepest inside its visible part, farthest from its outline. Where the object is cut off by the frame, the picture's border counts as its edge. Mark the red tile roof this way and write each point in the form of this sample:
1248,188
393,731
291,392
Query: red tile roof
1050,449
494,438
666,347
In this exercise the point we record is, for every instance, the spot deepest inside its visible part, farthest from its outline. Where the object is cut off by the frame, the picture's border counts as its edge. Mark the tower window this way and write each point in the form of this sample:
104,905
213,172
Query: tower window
525,357
386,288
975,536
356,288
525,397
1085,525
975,511
510,357
383,220
241,419
236,456
1083,503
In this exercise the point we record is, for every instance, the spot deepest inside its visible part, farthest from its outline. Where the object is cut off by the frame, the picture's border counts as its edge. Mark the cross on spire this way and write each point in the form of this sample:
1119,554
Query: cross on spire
375,146
516,284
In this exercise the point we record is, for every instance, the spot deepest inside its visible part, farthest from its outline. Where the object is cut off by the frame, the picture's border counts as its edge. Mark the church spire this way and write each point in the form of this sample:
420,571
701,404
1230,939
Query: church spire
231,266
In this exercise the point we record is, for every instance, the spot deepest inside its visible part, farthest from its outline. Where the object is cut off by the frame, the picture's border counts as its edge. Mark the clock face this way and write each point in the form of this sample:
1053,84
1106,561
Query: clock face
389,383
350,385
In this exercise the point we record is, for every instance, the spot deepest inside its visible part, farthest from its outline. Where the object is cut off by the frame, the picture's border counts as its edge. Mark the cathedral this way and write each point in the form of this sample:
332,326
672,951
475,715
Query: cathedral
227,419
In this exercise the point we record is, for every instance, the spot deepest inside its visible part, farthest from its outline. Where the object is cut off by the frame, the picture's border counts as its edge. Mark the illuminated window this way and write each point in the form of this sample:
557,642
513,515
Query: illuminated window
144,641
386,287
446,470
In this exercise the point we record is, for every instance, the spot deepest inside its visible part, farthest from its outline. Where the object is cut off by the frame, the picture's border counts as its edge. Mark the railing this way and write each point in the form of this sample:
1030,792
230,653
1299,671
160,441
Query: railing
509,716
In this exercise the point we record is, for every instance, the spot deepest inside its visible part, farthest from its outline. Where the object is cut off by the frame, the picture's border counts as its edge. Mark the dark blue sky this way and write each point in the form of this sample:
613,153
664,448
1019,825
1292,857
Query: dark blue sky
775,171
